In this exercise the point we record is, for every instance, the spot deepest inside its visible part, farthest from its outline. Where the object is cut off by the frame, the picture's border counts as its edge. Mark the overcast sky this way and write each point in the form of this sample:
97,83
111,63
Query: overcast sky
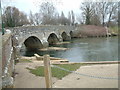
33,5
61,5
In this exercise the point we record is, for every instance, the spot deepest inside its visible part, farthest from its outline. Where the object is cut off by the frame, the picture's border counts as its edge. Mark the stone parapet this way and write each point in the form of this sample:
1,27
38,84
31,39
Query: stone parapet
7,61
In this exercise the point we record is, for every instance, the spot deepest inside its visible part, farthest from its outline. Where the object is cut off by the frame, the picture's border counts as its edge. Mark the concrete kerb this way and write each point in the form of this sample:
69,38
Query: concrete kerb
98,62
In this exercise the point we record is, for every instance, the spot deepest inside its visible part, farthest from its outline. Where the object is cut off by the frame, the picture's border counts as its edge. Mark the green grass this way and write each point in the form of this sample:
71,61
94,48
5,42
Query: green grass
39,71
114,29
25,60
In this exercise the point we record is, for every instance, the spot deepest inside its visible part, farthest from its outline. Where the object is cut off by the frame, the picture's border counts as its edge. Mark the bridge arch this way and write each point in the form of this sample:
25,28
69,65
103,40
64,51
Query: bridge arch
65,36
52,39
33,42
71,34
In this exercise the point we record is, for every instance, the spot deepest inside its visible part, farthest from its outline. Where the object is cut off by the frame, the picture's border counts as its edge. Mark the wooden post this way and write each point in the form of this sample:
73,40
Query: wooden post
47,71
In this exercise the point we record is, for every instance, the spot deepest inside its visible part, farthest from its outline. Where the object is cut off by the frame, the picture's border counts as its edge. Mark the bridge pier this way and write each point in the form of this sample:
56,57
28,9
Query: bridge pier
45,43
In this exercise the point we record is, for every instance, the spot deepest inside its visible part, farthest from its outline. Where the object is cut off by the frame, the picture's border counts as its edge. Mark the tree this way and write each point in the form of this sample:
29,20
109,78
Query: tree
72,17
113,12
107,10
0,18
31,18
95,18
97,13
69,17
63,20
103,7
12,17
22,20
87,8
47,10
37,18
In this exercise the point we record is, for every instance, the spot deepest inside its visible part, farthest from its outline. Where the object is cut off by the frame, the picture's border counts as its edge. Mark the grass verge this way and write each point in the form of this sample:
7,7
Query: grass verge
58,73
114,29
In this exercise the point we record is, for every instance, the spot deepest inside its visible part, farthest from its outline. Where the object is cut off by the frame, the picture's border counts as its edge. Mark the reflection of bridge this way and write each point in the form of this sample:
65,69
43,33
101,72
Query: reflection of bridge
41,36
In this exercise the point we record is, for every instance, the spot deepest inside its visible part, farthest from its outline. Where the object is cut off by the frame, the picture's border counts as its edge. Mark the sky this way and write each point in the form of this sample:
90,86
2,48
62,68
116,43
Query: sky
61,5
33,5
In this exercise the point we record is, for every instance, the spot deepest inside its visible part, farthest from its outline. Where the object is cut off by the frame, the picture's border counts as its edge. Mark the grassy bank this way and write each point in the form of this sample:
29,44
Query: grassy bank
114,29
25,60
39,71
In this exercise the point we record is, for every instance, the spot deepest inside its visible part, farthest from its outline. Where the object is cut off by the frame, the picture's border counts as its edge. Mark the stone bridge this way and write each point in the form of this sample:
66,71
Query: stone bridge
35,37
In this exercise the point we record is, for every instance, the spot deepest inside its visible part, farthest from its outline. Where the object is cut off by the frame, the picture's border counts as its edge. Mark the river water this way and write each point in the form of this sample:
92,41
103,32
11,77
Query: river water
84,50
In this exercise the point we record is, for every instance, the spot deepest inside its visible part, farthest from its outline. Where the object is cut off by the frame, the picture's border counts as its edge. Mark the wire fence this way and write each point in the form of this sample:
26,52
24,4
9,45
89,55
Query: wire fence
86,75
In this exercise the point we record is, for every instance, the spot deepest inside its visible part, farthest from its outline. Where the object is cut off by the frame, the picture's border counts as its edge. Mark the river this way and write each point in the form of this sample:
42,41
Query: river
84,50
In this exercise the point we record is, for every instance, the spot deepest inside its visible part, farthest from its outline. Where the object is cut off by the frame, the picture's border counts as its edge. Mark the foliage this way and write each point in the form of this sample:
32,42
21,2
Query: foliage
39,71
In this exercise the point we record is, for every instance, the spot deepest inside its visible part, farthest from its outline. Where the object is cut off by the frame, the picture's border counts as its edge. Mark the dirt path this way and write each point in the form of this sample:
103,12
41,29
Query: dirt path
24,79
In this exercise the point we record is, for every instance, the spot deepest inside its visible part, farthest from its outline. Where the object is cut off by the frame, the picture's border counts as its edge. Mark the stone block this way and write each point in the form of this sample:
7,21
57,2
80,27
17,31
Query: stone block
38,57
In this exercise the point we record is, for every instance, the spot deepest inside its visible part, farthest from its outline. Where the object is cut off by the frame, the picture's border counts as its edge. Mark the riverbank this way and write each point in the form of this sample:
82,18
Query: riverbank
64,61
89,77
95,31
25,79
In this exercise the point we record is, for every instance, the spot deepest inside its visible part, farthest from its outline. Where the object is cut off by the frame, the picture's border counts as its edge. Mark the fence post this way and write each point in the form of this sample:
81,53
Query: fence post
47,71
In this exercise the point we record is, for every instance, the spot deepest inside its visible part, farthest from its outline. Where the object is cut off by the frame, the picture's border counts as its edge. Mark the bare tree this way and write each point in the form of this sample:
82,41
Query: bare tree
72,17
95,17
118,15
80,18
22,20
103,8
107,10
63,20
87,8
112,12
69,17
31,18
13,17
98,13
47,10
37,18
0,18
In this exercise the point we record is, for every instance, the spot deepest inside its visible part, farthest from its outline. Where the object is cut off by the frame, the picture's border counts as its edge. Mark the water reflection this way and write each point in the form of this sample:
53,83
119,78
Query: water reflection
85,49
